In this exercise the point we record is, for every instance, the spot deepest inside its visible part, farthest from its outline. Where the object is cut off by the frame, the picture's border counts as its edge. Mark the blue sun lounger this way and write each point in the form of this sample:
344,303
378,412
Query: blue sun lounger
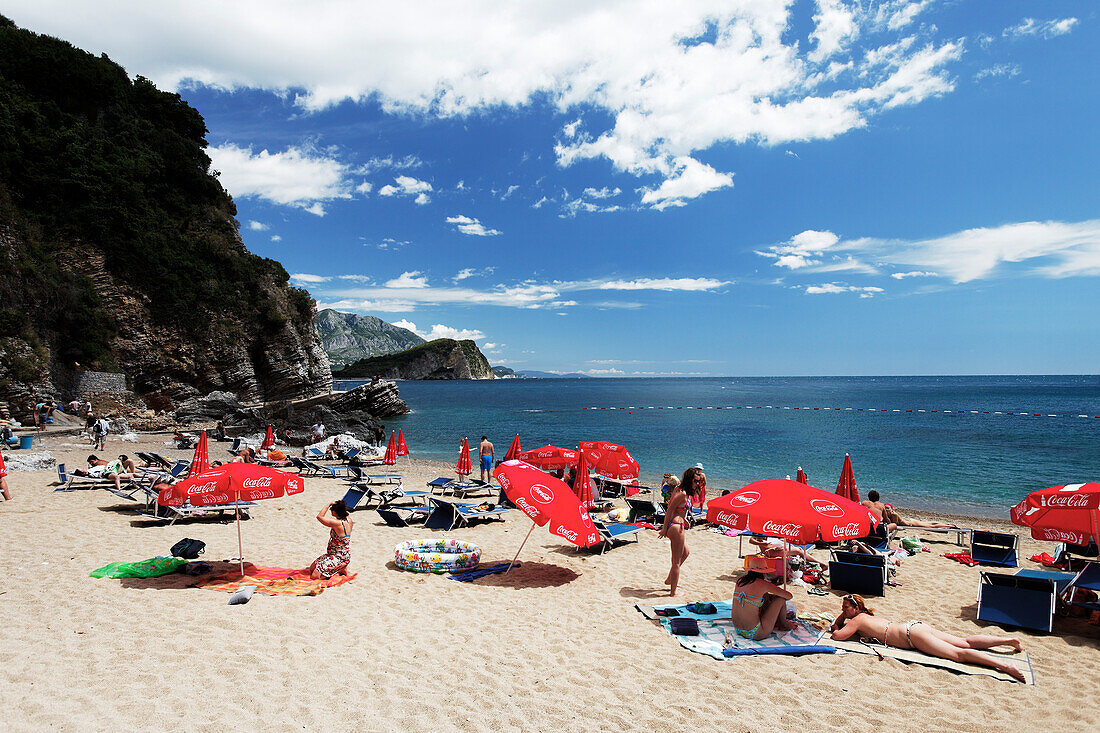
447,515
1088,578
616,533
994,548
1022,601
402,516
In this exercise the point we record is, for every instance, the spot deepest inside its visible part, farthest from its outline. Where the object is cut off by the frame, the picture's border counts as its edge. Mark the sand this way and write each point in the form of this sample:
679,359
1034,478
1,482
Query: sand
557,645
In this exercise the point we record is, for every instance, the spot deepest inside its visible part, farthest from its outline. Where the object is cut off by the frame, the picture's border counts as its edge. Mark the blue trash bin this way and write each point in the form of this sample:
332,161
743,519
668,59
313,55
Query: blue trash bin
25,441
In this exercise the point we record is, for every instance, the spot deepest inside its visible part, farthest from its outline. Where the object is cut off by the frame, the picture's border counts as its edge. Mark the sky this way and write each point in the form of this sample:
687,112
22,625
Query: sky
698,188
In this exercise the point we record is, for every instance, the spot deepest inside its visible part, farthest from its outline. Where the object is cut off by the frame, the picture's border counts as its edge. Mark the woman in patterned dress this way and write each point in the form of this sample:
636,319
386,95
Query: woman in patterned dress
338,555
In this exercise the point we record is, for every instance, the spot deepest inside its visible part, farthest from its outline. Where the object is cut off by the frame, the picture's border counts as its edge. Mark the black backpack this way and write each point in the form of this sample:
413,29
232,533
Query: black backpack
188,549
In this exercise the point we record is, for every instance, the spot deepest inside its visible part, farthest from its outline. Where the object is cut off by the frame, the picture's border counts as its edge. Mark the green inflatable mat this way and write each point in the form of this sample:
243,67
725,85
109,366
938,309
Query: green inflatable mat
151,568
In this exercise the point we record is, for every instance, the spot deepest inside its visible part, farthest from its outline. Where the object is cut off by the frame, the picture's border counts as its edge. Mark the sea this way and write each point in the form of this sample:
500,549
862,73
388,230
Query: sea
972,445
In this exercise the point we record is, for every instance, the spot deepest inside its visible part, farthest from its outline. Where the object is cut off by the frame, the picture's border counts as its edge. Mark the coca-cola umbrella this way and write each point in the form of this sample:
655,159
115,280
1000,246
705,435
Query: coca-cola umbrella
513,450
463,467
582,484
269,439
200,462
846,486
390,459
611,460
232,482
800,477
402,448
549,458
546,501
1069,513
792,511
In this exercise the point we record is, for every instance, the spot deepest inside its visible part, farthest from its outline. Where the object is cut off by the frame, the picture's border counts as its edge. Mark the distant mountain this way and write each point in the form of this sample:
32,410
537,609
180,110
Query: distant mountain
439,359
503,371
348,337
531,374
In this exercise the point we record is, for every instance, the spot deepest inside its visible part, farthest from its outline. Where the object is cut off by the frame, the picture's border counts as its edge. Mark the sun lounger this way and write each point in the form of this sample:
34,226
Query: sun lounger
329,471
1021,601
173,514
234,447
70,481
857,572
504,501
447,515
306,467
643,510
616,533
1088,578
360,494
879,540
994,548
402,516
959,532
159,460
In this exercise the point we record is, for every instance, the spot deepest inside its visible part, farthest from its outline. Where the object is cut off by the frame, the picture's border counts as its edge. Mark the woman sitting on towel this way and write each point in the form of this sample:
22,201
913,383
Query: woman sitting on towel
338,555
856,620
759,607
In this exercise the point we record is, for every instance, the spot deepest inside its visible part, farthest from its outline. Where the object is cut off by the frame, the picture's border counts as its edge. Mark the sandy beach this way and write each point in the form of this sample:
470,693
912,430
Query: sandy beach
556,645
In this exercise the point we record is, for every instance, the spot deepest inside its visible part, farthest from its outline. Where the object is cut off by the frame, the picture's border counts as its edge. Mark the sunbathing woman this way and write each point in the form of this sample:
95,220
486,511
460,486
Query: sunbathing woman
773,547
856,620
759,607
338,555
676,524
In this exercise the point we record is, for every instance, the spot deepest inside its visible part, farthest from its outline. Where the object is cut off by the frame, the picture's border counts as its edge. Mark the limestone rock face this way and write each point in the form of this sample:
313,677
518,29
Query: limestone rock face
348,337
439,359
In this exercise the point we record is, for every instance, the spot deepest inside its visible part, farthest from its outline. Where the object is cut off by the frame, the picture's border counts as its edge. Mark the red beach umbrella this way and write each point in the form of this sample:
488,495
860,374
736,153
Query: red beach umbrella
463,468
793,511
546,500
233,482
402,448
800,477
513,450
582,484
549,458
200,462
269,439
390,459
1069,513
616,464
846,487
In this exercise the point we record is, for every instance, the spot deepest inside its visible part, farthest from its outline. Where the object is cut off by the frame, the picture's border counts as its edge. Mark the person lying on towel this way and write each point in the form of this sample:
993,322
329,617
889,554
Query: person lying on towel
858,621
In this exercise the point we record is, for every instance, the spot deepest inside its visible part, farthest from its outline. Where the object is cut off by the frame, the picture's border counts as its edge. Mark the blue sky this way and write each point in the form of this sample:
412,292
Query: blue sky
654,188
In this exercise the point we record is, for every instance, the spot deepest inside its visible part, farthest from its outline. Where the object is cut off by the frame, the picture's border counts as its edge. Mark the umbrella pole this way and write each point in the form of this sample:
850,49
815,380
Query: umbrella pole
240,550
521,544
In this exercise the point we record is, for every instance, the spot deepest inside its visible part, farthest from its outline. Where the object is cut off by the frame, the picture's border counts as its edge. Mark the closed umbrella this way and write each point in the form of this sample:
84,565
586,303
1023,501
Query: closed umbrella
233,482
582,484
546,501
200,462
1068,513
846,487
390,459
513,450
463,468
269,439
402,448
800,477
549,458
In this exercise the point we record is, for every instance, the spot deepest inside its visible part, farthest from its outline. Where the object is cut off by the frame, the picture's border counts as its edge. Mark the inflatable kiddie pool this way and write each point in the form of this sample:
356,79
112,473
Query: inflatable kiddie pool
436,556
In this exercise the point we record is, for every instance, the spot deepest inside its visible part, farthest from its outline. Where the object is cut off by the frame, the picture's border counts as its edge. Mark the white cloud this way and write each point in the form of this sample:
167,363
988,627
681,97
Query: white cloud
365,187
998,70
691,179
407,186
488,345
472,227
382,163
833,288
388,243
1044,28
439,331
511,190
610,371
649,99
463,274
304,277
601,193
412,279
356,278
1051,249
538,204
257,226
276,238
295,177
913,273
660,283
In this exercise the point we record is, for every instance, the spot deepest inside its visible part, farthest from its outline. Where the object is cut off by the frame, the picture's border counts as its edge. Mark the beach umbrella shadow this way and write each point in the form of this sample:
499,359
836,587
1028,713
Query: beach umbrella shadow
178,581
530,575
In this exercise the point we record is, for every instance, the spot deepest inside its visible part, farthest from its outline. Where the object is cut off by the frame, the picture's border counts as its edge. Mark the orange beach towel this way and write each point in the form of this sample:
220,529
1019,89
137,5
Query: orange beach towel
274,581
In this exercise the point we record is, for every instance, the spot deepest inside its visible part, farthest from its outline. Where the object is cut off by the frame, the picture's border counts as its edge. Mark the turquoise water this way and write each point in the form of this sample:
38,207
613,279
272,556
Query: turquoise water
965,462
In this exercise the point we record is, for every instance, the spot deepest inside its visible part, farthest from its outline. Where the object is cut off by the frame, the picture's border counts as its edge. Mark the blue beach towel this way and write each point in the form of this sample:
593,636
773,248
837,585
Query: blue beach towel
715,627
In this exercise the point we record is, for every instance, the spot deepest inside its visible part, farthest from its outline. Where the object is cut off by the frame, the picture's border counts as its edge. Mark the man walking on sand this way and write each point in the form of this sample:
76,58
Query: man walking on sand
486,453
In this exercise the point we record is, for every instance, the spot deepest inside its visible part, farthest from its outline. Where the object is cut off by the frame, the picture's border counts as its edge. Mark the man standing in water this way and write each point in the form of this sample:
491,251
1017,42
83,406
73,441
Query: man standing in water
486,453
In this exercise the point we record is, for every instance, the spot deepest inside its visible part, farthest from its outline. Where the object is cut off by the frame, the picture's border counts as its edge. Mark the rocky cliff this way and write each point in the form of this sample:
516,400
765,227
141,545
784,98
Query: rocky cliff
439,359
119,250
348,337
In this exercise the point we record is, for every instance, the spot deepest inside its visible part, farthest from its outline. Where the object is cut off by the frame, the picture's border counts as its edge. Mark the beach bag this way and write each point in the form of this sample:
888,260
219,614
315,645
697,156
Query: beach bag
911,545
684,626
188,549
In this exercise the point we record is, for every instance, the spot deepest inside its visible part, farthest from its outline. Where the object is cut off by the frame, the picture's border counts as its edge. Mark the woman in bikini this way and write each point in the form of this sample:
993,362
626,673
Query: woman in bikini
338,555
758,607
676,524
856,620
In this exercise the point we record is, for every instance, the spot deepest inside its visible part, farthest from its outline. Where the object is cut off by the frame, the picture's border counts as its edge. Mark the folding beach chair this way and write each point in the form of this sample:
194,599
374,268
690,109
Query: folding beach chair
994,548
402,516
1017,600
1089,579
856,572
326,471
617,533
643,510
879,539
303,466
445,515
173,514
160,460
439,484
234,447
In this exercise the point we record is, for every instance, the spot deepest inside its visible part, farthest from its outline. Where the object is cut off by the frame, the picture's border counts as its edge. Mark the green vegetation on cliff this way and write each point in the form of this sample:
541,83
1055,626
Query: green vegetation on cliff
89,158
438,359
